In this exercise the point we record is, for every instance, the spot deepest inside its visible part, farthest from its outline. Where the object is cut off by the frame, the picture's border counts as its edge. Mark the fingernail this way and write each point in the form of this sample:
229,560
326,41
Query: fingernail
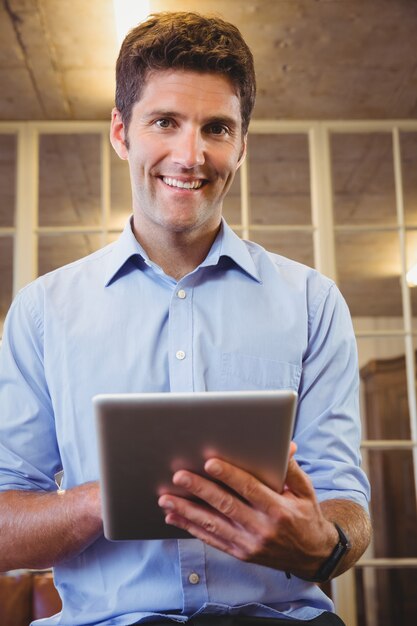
166,504
182,480
214,468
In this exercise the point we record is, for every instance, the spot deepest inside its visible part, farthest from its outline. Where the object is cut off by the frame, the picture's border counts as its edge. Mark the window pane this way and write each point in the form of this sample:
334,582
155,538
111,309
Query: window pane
363,178
279,179
69,180
6,277
386,596
120,192
57,250
232,204
384,393
393,503
294,245
408,142
238,232
369,269
8,151
377,347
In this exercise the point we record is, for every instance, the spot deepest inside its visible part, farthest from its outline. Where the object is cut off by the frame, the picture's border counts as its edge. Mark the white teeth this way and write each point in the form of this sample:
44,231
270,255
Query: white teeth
173,182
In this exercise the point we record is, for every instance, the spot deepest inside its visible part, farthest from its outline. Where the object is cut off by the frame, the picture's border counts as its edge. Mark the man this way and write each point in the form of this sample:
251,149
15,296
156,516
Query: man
179,303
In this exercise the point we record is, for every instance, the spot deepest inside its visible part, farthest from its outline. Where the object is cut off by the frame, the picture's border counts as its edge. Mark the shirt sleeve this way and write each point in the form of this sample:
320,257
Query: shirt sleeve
328,428
29,455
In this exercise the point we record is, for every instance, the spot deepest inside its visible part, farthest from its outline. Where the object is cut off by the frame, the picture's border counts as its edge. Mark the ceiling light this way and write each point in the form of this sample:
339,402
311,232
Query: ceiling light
129,13
412,276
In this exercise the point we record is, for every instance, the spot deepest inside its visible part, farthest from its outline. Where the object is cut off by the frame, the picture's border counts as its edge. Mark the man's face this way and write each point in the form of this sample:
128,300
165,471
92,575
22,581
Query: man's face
185,145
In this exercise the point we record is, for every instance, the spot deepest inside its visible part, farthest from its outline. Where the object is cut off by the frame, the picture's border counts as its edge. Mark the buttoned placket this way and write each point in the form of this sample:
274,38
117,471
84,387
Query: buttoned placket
180,337
193,574
191,552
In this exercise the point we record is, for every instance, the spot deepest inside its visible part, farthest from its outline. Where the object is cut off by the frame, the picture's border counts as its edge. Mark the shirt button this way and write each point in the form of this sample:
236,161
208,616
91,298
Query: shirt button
194,578
181,294
180,355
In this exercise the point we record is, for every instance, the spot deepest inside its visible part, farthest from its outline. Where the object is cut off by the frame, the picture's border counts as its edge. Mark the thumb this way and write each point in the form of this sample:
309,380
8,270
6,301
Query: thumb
297,480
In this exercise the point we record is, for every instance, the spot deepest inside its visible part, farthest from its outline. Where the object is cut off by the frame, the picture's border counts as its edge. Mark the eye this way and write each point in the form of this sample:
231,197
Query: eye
218,129
164,122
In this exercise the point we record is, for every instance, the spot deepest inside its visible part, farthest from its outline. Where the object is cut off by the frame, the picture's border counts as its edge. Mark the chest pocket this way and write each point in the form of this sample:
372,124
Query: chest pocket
244,371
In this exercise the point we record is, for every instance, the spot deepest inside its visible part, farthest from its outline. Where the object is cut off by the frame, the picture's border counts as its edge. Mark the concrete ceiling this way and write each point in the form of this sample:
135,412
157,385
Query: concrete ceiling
328,59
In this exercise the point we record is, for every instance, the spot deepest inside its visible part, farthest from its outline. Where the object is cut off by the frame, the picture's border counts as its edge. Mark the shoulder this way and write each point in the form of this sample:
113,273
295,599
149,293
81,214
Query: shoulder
70,281
293,274
91,267
304,287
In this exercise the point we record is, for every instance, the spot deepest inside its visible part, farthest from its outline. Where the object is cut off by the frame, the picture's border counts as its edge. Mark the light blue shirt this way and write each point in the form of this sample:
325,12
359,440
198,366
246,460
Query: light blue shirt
114,322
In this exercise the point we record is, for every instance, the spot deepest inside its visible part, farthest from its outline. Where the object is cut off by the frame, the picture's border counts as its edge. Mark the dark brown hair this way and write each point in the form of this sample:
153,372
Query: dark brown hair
187,41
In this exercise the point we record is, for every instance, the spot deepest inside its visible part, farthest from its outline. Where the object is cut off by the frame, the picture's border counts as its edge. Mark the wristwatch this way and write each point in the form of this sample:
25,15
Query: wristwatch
329,566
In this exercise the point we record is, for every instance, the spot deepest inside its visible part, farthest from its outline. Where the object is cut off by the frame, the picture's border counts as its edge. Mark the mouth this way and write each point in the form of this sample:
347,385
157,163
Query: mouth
190,185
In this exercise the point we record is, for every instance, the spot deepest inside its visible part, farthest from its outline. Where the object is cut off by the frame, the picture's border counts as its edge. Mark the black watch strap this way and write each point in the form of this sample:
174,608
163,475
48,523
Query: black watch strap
329,566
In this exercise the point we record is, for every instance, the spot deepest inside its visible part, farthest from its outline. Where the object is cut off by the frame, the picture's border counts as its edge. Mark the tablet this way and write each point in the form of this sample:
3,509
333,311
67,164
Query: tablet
144,438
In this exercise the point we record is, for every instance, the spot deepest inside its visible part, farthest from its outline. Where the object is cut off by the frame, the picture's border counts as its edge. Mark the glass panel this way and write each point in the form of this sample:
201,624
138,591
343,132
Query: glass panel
384,399
369,268
408,142
363,178
232,204
386,596
111,237
6,277
279,179
294,245
393,503
120,192
69,180
377,347
57,250
8,155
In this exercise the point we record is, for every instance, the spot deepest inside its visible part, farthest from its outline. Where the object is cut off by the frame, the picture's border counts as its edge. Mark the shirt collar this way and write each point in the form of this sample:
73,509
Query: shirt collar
227,244
125,249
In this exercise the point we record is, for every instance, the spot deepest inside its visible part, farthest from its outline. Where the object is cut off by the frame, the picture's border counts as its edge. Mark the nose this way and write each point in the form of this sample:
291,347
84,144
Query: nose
189,150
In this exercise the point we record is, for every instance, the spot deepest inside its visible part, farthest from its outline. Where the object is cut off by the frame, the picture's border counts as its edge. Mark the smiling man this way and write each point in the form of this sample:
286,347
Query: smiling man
180,303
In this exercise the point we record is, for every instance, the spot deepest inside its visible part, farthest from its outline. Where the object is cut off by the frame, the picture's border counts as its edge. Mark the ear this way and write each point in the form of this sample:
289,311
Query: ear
243,151
117,134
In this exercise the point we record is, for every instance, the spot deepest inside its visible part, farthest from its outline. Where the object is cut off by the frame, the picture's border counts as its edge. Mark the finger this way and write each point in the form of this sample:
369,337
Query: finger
188,514
206,524
297,480
197,531
229,505
257,494
239,514
240,481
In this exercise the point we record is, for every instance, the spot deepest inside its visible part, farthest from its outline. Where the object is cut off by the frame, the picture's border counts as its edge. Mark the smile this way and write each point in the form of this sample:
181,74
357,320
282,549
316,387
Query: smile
182,184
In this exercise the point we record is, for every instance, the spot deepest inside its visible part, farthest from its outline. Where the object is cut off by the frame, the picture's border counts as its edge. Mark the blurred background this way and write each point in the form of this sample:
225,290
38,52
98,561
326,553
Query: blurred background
330,180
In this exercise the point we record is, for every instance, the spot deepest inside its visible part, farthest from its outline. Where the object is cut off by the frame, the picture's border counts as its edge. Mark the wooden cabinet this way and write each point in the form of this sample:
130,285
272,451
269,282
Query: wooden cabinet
393,503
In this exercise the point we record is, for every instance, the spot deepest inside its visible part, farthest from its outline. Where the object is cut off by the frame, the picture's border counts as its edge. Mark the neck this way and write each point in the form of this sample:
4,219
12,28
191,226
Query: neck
176,253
